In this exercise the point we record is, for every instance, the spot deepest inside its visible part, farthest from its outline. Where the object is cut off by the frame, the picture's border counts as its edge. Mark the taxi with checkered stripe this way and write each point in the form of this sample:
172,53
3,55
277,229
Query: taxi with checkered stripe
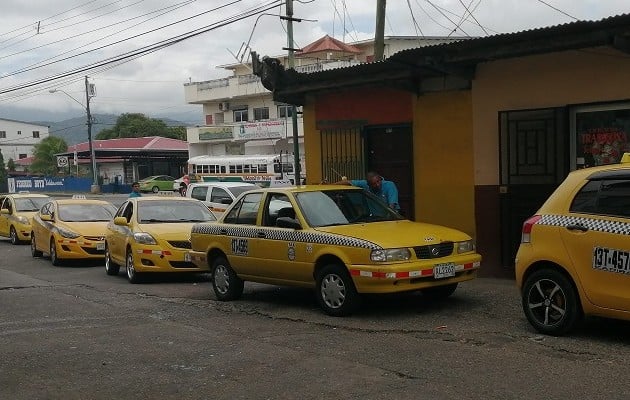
152,235
71,229
16,212
574,256
342,241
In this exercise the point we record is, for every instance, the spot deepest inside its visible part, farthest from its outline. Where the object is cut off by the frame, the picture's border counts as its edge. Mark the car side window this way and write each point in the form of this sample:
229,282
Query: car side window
606,197
47,209
277,205
218,195
2,201
199,193
8,205
585,201
246,211
126,210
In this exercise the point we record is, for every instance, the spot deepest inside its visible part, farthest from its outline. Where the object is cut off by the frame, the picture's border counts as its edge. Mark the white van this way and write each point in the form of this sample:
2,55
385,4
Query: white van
218,195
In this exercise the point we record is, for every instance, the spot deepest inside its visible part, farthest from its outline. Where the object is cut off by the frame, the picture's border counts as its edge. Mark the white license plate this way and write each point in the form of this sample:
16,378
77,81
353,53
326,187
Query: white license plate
187,257
100,246
444,270
611,260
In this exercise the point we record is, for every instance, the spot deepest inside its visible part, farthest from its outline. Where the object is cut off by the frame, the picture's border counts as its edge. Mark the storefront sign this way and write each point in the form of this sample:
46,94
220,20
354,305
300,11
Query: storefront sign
216,132
602,137
260,130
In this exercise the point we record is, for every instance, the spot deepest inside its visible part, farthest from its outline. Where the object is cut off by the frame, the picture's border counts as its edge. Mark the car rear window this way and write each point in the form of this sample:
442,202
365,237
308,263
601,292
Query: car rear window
605,197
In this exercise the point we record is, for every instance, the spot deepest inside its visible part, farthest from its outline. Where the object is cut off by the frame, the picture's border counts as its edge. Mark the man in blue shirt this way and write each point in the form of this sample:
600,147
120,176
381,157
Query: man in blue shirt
375,183
135,190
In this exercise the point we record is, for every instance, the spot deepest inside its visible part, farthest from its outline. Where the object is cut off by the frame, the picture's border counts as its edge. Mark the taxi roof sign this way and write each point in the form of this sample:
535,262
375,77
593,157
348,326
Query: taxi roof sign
625,159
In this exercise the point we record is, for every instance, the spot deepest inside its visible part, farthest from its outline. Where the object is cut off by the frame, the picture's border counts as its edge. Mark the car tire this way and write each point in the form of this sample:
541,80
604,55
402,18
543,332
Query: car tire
439,292
155,189
226,284
132,275
111,268
34,252
336,292
54,258
13,236
550,302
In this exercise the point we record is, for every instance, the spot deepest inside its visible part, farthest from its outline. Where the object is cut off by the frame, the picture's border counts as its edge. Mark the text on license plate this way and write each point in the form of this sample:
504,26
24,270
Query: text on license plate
100,246
444,270
611,260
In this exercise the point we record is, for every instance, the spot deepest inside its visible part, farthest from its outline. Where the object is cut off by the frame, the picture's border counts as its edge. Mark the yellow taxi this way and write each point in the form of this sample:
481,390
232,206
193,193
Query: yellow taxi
342,241
16,212
71,229
574,256
152,234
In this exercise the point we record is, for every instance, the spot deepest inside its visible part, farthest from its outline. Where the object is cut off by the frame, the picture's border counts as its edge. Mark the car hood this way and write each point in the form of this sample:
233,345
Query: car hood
172,231
95,228
27,214
393,234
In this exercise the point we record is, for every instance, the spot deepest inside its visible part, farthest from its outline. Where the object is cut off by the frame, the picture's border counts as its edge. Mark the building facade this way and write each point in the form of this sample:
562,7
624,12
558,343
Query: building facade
18,138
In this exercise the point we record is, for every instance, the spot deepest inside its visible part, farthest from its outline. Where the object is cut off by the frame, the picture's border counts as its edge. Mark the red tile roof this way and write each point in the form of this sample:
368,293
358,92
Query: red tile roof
141,143
328,43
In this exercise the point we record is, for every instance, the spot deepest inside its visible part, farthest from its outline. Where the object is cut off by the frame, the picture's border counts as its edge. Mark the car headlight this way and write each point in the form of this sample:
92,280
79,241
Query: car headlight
22,219
465,247
144,238
67,233
390,255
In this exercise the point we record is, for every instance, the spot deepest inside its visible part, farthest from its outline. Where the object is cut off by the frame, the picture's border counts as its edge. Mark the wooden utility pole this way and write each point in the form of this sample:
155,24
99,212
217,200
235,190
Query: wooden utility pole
296,144
379,34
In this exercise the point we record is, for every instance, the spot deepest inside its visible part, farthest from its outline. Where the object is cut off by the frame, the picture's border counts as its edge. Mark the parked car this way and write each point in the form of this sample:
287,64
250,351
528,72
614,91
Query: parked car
156,183
152,234
342,241
16,213
71,229
218,195
574,256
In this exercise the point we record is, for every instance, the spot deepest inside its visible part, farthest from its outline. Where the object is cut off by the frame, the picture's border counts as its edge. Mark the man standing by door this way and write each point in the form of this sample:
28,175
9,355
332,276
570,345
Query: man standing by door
375,183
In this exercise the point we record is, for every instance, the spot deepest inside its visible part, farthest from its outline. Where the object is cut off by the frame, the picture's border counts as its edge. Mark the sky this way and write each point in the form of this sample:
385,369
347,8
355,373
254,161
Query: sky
53,45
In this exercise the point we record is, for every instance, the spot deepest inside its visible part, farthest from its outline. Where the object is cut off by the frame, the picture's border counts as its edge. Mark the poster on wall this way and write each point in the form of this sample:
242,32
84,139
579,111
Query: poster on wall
602,137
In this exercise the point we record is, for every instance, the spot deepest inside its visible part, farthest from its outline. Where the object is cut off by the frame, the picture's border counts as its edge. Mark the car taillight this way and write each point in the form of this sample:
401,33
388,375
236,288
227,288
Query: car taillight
526,235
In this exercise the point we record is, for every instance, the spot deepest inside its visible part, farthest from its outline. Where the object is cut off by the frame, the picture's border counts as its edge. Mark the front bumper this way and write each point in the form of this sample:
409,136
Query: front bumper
157,259
80,248
23,231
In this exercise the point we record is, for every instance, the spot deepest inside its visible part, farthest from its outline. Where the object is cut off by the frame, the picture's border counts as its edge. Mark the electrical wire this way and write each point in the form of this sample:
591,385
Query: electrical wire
415,23
451,21
557,9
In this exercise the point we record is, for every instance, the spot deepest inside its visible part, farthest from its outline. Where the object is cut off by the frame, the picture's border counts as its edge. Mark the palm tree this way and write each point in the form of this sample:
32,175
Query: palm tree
45,161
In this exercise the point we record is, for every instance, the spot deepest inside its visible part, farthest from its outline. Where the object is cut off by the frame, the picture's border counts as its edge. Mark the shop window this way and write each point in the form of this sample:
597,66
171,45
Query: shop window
36,134
602,134
284,111
240,116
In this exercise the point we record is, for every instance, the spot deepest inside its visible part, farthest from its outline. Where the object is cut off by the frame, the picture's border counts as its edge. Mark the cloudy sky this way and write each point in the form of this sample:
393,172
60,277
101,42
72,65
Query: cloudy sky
46,45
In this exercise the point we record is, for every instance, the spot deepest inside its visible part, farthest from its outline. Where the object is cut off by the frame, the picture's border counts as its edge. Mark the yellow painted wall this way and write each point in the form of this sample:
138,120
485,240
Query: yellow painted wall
443,160
540,81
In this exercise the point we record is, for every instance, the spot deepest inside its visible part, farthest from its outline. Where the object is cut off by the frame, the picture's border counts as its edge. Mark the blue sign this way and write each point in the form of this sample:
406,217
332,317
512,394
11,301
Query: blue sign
49,184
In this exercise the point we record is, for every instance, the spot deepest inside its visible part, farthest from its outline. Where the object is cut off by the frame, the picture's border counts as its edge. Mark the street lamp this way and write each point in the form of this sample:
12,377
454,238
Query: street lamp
89,93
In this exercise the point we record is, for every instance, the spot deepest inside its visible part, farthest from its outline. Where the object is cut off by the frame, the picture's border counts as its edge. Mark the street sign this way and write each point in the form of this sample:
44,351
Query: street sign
62,161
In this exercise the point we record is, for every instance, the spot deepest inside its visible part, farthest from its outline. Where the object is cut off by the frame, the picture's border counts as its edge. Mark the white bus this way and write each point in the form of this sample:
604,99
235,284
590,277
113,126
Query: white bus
258,169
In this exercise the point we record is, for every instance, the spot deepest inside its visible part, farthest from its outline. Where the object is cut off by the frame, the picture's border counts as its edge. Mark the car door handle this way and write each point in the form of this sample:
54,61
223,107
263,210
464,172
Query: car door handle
223,232
577,227
261,235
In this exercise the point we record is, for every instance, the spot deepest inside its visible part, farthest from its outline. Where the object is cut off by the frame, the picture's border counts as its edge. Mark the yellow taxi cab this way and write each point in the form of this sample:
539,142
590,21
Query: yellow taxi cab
16,212
574,256
152,234
71,229
342,241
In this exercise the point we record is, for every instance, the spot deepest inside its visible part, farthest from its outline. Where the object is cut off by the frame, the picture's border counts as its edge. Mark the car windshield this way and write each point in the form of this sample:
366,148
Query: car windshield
86,212
30,203
161,211
341,207
237,190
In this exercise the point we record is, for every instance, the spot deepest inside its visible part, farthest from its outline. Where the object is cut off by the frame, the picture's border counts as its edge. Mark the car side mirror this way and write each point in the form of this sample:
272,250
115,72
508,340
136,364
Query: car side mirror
46,217
120,221
288,222
226,201
5,211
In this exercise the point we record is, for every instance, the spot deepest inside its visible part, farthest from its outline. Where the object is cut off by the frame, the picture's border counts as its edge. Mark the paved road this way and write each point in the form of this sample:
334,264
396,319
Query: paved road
72,332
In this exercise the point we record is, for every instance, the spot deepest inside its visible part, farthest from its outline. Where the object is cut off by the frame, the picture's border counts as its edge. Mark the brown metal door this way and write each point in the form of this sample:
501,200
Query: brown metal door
533,163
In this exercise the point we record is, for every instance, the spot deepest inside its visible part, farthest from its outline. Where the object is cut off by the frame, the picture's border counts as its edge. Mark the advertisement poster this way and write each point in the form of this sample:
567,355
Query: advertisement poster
260,130
602,137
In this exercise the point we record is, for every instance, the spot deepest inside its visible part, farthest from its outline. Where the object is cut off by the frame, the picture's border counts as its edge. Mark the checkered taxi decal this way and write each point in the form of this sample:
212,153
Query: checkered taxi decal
593,224
284,234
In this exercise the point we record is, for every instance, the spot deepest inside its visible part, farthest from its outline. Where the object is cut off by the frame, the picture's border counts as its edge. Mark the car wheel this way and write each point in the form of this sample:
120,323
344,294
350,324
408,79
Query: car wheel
336,293
34,252
132,275
54,258
439,292
155,189
13,236
226,284
550,302
111,268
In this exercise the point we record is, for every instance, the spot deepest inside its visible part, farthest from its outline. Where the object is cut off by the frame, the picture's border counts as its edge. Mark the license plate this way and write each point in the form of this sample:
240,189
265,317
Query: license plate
187,257
444,270
611,260
100,246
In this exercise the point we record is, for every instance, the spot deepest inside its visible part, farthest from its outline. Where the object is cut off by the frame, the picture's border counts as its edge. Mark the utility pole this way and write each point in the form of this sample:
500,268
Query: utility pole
95,186
296,144
379,34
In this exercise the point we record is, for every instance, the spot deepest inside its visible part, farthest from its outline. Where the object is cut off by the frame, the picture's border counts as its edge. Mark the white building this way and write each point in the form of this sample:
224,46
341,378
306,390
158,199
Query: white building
18,138
240,114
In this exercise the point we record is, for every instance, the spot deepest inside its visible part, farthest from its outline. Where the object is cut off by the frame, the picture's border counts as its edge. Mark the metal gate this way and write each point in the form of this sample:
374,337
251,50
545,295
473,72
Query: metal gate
343,154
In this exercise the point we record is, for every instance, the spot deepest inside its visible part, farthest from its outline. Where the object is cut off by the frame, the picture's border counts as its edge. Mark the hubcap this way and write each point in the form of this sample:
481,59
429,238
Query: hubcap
130,270
33,248
13,236
333,291
53,252
107,266
547,302
221,279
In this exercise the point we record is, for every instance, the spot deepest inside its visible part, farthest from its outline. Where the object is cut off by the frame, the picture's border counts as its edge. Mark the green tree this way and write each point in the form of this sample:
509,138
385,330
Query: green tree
45,161
11,165
138,125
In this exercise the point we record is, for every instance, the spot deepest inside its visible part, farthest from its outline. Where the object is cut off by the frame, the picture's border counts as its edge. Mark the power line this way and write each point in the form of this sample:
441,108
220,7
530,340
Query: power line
446,16
557,9
431,17
346,12
471,14
415,23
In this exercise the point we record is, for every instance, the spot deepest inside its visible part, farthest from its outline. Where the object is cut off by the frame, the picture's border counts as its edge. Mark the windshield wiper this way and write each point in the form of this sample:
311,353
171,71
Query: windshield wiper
144,221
